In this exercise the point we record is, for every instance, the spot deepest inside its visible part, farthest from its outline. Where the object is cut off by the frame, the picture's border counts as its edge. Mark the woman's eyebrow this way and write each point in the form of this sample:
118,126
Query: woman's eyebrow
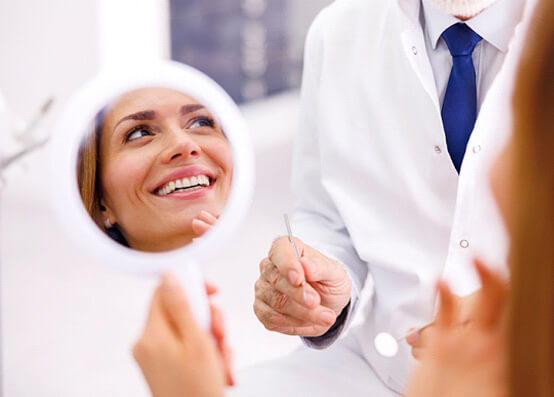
190,108
142,115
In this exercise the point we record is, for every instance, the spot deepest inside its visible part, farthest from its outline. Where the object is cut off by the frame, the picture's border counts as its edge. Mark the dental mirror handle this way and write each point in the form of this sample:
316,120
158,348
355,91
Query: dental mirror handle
192,282
416,330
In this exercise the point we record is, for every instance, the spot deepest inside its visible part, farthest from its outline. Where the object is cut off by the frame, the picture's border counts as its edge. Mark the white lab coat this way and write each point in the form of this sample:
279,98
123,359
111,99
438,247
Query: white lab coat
374,182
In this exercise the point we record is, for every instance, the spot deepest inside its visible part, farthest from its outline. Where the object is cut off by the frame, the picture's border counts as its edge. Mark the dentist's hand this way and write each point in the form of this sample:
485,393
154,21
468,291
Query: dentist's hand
176,357
281,304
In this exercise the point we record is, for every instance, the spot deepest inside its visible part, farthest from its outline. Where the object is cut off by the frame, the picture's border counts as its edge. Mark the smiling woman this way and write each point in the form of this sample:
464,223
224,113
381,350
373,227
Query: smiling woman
156,171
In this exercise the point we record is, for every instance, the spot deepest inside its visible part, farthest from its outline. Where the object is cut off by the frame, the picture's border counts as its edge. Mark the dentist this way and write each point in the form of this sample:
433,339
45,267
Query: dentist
404,105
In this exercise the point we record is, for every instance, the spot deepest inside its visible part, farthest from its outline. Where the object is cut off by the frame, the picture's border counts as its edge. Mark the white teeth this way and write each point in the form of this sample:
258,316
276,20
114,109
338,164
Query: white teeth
192,183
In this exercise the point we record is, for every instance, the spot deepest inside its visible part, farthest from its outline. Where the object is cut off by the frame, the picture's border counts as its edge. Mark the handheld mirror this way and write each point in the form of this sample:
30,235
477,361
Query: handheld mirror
153,171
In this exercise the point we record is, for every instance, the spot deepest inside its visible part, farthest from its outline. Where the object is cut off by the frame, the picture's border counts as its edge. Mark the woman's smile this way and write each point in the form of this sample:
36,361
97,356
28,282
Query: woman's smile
163,159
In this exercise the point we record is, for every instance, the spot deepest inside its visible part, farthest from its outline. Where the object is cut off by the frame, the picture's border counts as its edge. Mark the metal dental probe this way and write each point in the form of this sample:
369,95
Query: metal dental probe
291,239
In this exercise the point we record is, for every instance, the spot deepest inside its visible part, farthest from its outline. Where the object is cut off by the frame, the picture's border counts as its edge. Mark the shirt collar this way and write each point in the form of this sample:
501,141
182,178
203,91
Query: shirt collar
496,24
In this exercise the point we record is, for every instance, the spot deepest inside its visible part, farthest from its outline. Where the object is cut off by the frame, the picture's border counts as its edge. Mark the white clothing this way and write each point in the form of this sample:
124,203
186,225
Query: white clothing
495,25
326,370
375,185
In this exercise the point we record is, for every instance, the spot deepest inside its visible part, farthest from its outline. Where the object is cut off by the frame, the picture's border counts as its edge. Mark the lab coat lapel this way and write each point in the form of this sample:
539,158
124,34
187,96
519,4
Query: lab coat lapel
413,43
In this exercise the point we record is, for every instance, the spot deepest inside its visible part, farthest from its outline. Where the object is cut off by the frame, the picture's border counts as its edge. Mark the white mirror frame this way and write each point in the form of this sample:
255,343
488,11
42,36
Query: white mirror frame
73,123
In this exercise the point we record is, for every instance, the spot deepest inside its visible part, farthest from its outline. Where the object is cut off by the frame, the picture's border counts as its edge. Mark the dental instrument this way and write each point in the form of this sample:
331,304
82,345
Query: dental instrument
387,345
291,239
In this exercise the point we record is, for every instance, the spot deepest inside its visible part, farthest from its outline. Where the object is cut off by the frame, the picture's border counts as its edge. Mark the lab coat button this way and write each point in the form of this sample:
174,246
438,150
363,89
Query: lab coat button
476,149
438,149
414,50
464,243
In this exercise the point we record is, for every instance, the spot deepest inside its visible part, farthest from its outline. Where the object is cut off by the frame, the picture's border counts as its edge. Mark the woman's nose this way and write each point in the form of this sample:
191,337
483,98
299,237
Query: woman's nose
180,145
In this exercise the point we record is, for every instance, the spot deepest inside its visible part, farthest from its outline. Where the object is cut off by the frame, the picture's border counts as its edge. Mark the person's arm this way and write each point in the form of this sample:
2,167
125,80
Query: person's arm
329,263
315,219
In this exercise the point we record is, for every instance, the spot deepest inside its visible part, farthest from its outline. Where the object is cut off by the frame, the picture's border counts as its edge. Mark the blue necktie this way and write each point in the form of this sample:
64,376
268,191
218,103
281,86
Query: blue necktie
459,109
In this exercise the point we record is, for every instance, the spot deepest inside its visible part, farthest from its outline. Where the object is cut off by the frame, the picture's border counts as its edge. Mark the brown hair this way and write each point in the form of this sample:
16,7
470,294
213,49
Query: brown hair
531,329
88,168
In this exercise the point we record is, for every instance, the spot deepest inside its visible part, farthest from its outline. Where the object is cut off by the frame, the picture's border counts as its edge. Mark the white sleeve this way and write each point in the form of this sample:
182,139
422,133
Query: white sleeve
315,219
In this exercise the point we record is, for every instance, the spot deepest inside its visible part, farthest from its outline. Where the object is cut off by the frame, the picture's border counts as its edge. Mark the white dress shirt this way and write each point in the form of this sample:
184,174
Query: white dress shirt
374,184
495,25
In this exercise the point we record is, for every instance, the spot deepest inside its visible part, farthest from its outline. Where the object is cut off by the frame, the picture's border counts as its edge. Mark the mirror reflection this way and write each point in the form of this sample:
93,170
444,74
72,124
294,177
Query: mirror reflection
155,170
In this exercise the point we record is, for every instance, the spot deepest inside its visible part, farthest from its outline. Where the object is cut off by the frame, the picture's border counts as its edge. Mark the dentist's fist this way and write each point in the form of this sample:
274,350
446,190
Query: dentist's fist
284,306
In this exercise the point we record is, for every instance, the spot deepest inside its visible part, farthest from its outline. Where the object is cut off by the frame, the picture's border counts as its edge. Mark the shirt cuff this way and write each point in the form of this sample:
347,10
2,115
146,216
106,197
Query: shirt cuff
332,334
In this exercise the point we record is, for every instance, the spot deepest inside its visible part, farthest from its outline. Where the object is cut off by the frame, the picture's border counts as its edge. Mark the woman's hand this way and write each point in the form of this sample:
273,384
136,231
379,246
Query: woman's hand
466,360
176,357
203,222
464,309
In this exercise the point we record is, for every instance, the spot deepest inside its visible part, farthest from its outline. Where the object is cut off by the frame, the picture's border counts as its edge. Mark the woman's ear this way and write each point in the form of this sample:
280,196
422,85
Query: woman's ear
108,218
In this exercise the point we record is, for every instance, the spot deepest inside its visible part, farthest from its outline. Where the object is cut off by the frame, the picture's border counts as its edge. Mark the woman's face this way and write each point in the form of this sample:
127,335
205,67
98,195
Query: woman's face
163,160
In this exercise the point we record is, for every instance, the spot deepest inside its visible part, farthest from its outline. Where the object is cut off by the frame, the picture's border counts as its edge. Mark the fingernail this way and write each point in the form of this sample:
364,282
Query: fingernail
327,318
293,276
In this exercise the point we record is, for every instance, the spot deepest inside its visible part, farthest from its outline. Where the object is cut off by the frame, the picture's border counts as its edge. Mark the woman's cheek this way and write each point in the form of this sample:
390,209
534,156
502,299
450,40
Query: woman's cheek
225,156
124,176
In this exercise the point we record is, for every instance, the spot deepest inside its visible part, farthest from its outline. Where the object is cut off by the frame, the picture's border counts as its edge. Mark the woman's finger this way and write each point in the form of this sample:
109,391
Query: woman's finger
218,332
493,297
156,320
217,325
200,227
211,289
447,315
207,217
228,359
176,305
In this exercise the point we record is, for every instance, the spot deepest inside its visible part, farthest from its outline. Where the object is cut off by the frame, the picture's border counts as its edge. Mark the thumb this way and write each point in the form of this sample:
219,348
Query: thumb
176,305
318,267
282,255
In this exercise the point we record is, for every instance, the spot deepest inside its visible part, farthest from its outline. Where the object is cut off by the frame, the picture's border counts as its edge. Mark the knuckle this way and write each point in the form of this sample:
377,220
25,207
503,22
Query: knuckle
263,263
279,300
274,321
271,274
274,279
258,287
270,326
257,311
276,246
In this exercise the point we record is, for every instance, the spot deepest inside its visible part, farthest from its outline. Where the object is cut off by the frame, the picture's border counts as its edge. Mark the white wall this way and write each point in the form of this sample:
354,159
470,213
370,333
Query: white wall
68,324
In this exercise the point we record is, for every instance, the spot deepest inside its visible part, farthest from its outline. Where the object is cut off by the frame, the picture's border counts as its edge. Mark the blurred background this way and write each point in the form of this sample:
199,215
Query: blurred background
68,324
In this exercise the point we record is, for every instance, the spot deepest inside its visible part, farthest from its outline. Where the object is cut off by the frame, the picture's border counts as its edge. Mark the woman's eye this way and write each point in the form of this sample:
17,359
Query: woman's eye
137,133
201,122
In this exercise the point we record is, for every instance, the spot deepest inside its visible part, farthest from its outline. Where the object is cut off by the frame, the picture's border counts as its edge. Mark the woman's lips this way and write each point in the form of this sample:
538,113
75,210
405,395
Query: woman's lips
189,194
186,173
